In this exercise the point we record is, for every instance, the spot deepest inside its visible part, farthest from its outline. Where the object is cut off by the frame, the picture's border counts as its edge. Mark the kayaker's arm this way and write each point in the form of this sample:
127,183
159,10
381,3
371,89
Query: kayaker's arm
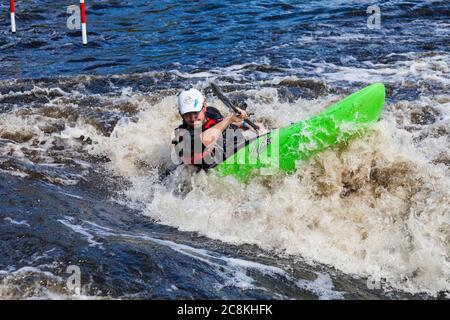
240,124
210,136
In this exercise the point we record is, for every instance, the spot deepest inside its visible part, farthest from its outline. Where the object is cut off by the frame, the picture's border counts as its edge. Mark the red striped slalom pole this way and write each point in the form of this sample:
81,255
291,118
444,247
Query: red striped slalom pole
13,18
83,22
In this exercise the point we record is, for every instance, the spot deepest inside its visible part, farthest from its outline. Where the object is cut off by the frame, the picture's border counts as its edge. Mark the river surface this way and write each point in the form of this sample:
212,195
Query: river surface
86,180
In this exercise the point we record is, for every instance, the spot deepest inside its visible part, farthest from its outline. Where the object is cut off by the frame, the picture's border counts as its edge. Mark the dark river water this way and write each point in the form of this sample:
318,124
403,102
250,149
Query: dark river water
86,179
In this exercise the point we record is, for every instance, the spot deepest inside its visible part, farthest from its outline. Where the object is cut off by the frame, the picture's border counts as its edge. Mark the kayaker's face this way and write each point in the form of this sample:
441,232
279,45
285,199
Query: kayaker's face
195,119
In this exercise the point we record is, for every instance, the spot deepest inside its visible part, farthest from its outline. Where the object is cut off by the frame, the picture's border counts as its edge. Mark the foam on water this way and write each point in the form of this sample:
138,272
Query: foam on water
79,229
378,204
32,283
375,208
234,271
411,68
10,220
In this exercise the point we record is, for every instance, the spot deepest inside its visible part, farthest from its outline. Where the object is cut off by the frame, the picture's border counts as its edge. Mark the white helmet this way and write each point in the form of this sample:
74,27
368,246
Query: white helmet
190,101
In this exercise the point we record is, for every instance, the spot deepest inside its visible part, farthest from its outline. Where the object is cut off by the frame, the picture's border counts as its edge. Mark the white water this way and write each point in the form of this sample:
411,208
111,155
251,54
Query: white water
378,207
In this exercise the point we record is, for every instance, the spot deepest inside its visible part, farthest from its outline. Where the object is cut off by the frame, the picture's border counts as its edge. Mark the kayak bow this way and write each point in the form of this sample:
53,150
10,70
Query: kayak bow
280,149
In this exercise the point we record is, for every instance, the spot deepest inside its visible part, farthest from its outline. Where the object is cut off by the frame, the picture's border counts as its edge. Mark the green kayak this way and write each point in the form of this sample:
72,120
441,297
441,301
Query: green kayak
280,149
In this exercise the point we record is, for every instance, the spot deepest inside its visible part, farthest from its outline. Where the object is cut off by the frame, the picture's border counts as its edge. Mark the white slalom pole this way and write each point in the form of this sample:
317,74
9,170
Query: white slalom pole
83,22
13,18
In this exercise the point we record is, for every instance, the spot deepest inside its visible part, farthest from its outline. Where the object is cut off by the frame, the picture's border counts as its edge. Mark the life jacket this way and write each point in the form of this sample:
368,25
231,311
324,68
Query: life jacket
213,117
210,122
206,158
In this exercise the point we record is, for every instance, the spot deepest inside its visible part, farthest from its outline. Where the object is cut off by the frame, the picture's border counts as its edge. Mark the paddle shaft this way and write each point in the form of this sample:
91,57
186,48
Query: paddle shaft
228,103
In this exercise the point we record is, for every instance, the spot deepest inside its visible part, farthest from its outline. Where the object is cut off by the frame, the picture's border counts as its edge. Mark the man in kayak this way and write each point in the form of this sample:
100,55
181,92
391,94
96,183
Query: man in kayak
202,139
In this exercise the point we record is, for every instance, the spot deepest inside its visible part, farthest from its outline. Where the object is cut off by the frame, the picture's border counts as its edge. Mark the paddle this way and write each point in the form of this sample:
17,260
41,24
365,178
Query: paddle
228,103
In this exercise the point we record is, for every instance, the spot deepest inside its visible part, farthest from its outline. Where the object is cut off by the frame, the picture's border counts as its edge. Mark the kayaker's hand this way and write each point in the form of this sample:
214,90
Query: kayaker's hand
243,113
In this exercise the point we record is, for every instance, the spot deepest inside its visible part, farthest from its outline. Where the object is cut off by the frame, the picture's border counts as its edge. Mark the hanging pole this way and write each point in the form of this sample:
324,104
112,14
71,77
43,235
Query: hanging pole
13,18
83,22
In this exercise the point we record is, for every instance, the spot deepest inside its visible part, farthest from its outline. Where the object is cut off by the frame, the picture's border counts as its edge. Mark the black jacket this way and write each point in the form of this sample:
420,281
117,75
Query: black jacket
190,150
